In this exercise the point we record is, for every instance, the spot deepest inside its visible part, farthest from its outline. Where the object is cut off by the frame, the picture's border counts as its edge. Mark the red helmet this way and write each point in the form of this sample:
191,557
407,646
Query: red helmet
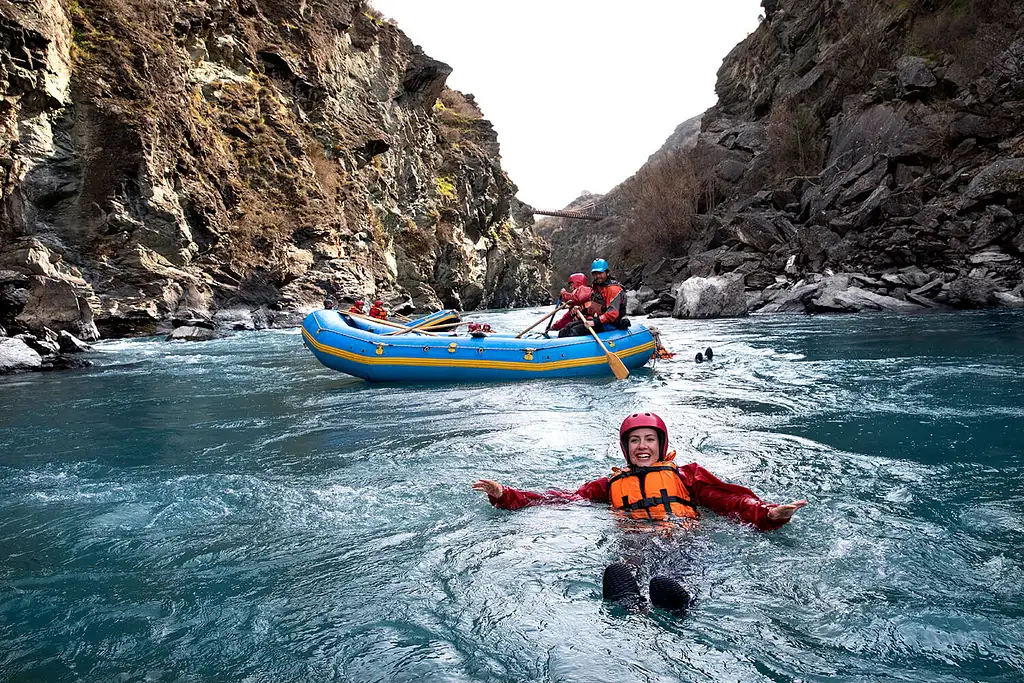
359,303
638,420
378,302
578,279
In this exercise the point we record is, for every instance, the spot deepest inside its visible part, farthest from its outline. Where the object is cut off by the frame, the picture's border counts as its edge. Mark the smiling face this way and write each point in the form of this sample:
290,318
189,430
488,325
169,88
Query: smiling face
643,447
599,277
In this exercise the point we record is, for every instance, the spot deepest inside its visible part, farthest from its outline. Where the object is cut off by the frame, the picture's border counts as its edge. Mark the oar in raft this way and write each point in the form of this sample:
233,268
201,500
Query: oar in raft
425,329
403,328
546,316
617,366
445,326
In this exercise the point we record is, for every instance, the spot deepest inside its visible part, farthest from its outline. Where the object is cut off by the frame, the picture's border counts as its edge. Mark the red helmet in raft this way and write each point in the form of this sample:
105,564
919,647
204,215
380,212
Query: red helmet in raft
638,420
578,279
359,303
378,302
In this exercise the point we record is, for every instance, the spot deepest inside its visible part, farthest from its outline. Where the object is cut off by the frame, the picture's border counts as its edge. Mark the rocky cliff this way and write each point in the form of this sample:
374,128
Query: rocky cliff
862,155
241,158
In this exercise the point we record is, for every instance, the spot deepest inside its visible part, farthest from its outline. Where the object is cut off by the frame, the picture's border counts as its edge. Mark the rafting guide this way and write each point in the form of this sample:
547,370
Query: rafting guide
654,495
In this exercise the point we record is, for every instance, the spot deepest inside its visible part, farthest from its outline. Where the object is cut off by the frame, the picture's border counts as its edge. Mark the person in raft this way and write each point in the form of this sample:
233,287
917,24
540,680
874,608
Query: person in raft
577,296
377,310
607,310
652,487
358,307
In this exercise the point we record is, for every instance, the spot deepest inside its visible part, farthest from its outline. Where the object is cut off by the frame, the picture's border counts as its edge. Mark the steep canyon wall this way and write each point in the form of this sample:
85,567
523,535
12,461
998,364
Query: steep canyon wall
863,154
241,158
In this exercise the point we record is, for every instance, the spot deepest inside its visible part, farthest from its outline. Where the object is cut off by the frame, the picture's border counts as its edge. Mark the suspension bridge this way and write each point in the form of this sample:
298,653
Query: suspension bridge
589,211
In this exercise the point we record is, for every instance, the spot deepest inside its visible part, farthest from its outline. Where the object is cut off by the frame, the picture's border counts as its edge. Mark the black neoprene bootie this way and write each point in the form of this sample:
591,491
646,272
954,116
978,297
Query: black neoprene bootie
668,594
619,582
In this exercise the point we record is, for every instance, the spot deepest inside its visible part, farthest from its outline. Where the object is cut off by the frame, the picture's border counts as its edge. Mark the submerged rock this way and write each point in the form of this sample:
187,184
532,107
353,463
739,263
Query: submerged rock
192,333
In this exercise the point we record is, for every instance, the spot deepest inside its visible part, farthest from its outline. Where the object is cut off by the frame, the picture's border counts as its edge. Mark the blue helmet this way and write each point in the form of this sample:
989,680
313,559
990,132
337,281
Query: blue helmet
599,266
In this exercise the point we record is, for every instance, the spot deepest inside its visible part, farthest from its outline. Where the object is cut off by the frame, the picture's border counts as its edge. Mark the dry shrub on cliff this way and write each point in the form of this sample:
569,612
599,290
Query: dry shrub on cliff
795,140
664,198
457,115
970,31
868,38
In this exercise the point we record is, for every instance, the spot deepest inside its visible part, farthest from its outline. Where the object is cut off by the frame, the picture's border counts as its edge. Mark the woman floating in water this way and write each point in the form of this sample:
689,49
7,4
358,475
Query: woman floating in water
652,487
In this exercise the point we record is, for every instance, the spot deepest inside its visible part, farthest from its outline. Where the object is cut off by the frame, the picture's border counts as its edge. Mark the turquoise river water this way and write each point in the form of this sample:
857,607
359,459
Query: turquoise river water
233,511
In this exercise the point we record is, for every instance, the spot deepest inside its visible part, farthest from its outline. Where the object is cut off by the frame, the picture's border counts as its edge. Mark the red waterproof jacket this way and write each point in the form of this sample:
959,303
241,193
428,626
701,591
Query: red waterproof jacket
611,298
705,489
581,296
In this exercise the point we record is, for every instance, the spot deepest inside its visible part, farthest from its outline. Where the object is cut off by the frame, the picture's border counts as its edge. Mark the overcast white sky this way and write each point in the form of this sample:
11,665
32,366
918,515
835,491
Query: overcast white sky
580,92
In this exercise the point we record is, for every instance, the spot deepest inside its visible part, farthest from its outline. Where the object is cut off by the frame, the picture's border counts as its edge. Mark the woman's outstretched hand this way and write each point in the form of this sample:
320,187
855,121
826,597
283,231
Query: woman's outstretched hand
492,488
783,513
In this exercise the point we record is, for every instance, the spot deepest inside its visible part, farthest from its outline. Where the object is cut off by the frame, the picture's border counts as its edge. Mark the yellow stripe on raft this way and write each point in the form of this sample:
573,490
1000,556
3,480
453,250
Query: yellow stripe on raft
467,363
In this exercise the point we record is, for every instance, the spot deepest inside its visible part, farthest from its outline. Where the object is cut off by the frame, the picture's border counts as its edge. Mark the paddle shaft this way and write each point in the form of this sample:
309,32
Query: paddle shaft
425,328
445,326
403,328
551,320
546,316
617,365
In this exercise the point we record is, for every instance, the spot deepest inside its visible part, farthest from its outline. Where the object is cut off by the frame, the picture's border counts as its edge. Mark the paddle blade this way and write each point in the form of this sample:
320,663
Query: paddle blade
618,367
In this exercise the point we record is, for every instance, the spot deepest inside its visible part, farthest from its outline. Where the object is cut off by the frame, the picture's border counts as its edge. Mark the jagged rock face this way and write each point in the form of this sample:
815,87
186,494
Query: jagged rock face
874,138
164,155
905,156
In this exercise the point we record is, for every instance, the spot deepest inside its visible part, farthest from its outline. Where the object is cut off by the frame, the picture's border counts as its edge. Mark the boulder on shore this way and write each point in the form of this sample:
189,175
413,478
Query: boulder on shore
710,297
855,299
17,356
635,300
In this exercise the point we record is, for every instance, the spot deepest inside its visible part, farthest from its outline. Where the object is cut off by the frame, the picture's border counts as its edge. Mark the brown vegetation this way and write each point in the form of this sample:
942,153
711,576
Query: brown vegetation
664,199
795,140
969,31
458,116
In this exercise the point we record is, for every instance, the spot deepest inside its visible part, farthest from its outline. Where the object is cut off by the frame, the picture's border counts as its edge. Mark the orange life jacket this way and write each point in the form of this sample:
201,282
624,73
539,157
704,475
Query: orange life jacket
378,313
608,301
655,492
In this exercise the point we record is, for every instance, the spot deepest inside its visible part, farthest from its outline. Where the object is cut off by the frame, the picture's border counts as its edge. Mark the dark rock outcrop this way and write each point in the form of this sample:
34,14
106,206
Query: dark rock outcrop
164,156
861,156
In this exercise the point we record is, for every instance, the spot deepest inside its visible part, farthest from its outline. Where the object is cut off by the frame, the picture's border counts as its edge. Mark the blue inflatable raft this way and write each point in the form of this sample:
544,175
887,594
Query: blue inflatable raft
365,349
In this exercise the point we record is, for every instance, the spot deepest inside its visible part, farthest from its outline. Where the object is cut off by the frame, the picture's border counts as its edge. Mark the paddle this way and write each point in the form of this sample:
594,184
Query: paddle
444,326
388,323
425,328
551,320
546,316
617,366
